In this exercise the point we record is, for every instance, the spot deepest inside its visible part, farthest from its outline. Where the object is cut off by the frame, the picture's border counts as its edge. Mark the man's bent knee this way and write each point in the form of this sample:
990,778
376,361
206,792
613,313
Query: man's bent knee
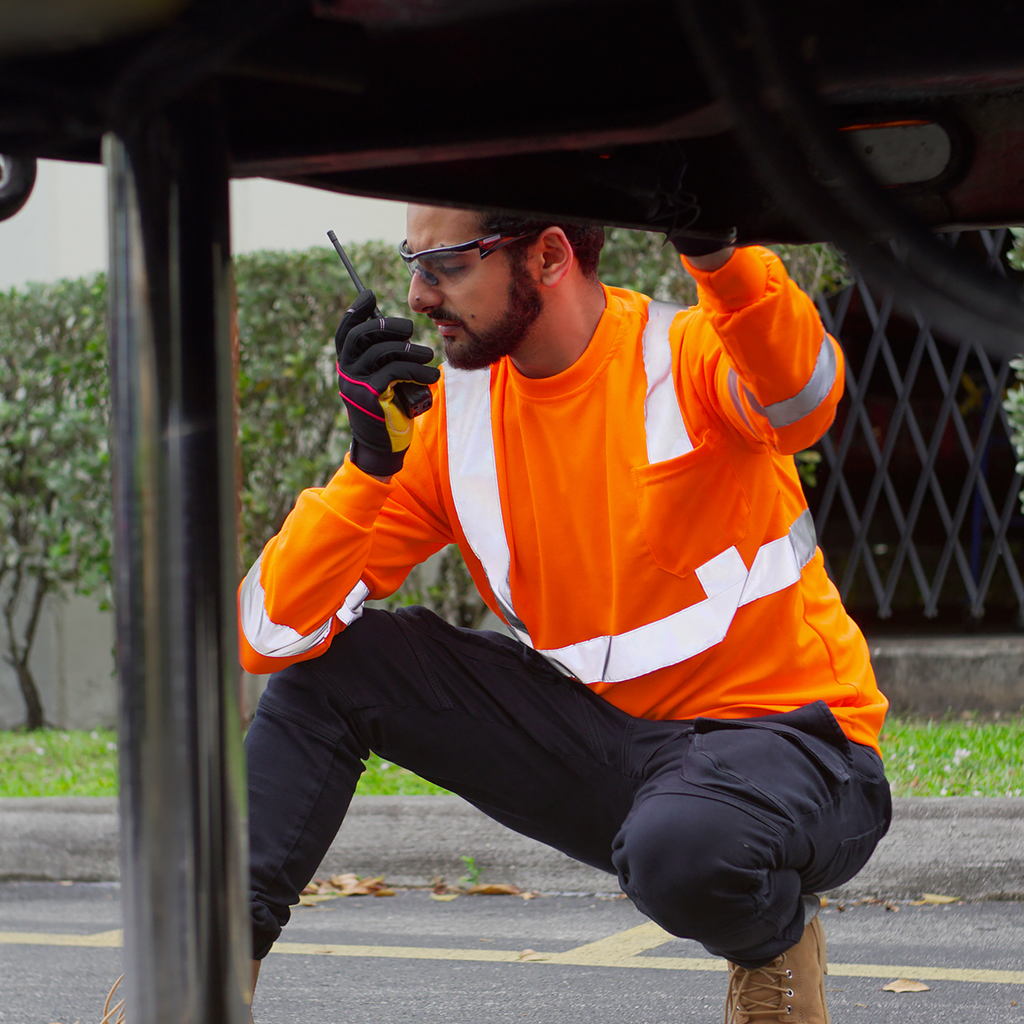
705,870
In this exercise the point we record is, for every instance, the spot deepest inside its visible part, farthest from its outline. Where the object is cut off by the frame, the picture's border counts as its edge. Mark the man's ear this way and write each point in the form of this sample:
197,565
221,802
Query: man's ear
554,256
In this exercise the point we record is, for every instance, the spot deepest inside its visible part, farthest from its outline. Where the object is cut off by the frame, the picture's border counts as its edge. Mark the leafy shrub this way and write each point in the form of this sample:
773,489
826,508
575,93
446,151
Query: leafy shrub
642,261
1014,406
54,458
293,432
1014,402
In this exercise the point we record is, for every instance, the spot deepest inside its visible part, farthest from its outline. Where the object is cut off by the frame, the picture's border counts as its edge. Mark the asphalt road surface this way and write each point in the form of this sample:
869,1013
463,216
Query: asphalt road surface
410,958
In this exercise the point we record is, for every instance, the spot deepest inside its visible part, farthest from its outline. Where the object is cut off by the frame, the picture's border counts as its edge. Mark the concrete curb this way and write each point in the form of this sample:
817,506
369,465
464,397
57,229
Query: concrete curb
53,838
935,675
972,847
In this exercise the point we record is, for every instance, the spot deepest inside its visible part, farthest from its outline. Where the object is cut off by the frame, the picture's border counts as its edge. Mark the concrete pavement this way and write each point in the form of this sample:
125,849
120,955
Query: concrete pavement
972,847
499,960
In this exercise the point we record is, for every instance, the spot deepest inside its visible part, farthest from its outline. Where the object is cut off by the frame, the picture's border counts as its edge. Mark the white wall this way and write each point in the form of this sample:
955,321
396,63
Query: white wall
62,230
73,665
274,215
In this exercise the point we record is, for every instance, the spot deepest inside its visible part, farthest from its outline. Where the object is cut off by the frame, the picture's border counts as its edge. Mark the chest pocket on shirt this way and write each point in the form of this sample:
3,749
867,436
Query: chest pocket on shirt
691,508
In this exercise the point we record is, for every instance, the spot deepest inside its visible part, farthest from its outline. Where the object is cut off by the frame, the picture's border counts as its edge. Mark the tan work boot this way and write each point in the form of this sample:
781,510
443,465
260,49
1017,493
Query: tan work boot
789,990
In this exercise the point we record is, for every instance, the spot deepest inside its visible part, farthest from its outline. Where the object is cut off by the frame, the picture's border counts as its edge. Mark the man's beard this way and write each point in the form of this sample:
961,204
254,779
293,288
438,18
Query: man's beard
486,347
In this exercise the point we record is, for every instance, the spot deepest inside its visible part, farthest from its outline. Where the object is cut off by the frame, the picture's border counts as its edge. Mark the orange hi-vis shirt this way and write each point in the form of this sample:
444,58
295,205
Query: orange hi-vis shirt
637,518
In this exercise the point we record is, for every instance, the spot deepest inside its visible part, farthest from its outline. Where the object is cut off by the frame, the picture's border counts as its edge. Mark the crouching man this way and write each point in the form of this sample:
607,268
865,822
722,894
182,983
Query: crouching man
685,703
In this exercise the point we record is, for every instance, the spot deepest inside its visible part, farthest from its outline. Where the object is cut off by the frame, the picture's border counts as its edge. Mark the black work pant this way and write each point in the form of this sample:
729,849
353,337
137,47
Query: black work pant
714,827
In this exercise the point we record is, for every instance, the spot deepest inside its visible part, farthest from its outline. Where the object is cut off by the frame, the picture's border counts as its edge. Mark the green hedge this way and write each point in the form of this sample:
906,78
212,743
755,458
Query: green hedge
54,458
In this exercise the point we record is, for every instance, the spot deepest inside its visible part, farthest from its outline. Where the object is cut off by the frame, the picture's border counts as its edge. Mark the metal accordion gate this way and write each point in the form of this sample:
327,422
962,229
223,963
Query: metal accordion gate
917,502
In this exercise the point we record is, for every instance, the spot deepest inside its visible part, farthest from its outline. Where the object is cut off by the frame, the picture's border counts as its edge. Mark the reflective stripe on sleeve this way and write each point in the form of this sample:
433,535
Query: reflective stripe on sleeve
734,394
273,640
352,609
809,397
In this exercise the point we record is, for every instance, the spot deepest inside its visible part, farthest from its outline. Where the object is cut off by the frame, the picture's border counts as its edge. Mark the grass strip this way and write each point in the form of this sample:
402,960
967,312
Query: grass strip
954,757
57,762
951,757
381,778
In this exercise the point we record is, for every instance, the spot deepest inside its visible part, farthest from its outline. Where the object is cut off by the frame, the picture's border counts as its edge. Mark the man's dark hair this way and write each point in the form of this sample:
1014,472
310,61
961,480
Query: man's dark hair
586,242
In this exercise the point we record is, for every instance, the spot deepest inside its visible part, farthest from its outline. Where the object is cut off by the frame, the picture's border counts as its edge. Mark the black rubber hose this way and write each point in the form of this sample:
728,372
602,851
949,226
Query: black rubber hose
741,48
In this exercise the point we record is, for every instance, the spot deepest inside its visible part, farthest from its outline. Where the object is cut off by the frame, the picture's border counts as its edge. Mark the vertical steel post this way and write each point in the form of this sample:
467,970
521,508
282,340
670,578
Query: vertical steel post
187,941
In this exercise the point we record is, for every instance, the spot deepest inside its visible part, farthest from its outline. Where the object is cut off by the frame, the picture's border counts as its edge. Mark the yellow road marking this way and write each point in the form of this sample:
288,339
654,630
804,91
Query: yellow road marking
926,973
612,951
397,952
620,950
111,940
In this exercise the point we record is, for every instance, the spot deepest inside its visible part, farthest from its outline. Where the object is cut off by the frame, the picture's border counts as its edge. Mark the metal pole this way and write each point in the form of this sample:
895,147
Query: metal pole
187,941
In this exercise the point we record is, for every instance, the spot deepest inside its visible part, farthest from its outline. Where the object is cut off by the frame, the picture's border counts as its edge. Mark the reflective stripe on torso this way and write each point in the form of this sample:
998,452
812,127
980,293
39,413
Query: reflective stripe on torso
726,581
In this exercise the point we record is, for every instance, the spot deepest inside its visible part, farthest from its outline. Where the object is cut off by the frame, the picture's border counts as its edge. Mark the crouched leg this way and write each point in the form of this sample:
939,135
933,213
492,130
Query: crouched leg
710,871
741,821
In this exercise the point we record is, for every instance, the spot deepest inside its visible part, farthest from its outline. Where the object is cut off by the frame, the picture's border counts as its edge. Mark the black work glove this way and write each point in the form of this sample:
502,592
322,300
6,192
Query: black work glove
374,354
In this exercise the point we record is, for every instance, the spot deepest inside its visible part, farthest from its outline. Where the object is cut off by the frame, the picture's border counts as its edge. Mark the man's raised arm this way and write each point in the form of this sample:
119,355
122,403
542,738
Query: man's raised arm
330,556
784,375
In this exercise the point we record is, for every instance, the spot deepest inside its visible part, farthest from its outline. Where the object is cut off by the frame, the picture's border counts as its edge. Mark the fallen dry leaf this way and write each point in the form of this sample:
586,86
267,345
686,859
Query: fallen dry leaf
934,899
493,889
529,895
841,907
531,954
386,891
892,907
823,901
862,1005
346,885
444,897
366,887
905,985
312,900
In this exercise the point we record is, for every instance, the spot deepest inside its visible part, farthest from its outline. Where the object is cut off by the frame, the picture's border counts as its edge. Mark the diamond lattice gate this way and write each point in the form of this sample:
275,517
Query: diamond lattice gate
916,503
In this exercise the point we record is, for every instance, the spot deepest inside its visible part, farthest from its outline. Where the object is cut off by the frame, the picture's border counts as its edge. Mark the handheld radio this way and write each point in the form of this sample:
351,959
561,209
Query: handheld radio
415,398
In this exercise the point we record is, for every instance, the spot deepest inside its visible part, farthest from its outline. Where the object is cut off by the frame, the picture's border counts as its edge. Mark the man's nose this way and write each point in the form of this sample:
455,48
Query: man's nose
422,296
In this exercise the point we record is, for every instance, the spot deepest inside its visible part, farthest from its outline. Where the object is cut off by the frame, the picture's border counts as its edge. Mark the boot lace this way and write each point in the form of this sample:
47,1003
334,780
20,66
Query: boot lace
759,994
113,1013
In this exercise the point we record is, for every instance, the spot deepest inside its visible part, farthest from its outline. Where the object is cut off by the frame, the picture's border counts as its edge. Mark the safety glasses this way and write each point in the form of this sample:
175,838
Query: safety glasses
451,264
